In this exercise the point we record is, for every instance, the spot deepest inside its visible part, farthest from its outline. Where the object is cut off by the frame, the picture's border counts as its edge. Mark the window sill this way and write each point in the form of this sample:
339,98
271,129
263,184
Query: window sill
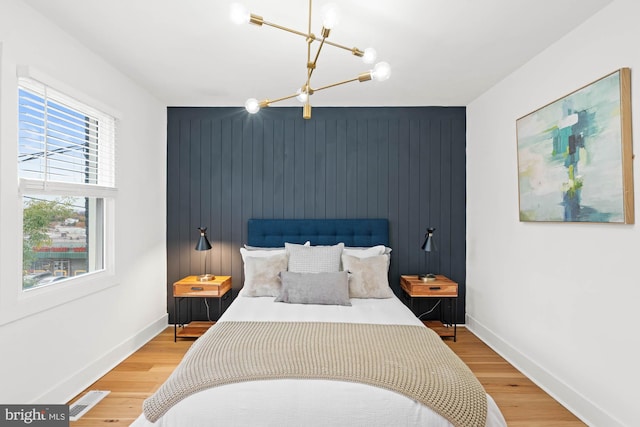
17,303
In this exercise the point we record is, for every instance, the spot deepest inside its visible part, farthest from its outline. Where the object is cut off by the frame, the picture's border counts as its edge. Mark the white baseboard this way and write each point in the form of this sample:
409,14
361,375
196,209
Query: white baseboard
581,407
70,387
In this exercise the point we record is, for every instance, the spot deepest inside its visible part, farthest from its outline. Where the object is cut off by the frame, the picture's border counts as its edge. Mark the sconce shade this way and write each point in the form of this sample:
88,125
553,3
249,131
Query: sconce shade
429,244
203,243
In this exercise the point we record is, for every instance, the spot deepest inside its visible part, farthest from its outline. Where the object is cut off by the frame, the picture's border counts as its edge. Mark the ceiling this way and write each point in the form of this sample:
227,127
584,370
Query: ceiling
442,52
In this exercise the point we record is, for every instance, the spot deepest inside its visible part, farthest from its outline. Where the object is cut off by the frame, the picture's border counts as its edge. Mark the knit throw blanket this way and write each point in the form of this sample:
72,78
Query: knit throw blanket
411,360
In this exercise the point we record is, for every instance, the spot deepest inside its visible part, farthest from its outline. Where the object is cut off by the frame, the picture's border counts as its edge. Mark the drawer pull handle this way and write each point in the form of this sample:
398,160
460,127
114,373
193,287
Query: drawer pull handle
197,288
434,288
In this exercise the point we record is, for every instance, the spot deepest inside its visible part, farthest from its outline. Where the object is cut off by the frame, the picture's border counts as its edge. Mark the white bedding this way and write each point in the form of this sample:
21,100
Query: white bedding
308,402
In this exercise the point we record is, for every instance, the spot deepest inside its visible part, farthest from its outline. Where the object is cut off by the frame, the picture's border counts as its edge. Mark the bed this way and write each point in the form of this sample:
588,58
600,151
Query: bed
319,357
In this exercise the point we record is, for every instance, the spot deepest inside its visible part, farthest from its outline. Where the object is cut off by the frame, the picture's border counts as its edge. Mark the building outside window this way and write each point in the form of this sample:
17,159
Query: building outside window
67,179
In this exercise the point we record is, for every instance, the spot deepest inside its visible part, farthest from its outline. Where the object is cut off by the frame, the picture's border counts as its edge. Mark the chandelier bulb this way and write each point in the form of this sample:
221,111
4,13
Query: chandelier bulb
252,106
381,71
302,95
239,14
330,16
369,56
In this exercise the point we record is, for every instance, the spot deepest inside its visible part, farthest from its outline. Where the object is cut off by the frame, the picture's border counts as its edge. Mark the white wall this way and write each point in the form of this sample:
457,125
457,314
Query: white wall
50,356
558,300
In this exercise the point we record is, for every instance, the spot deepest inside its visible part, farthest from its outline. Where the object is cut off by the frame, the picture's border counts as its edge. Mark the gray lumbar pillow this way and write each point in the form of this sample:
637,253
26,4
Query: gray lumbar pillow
314,288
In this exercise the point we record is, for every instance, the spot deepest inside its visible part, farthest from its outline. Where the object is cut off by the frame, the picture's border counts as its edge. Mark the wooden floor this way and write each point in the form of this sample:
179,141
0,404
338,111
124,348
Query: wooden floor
522,403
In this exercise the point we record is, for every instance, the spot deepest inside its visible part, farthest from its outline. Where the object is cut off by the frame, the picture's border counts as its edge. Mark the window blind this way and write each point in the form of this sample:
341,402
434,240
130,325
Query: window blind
63,140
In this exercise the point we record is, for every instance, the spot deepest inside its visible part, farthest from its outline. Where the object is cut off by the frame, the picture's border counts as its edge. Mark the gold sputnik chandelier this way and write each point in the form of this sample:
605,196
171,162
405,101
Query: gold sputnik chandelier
380,72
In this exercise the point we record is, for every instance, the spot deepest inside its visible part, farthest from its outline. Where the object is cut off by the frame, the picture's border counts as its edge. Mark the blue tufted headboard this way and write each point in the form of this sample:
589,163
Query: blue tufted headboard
352,232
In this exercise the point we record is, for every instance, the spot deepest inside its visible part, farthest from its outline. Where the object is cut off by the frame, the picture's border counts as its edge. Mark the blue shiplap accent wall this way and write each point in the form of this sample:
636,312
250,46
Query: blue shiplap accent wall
405,164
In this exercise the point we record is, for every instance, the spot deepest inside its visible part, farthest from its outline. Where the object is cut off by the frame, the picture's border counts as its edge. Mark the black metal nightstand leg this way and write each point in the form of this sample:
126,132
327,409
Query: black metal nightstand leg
175,319
454,310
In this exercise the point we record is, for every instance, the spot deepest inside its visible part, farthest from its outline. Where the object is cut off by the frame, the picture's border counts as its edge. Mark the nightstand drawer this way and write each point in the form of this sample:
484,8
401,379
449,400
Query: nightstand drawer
440,287
434,290
191,287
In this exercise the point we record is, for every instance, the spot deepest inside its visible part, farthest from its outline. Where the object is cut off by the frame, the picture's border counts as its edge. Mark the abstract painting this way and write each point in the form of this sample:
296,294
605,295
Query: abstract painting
575,156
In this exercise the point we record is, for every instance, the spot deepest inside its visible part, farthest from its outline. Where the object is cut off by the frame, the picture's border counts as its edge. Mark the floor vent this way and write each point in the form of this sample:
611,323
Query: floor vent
86,402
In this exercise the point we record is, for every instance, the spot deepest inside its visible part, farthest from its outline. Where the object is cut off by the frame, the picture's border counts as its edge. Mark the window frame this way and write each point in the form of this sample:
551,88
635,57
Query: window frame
16,302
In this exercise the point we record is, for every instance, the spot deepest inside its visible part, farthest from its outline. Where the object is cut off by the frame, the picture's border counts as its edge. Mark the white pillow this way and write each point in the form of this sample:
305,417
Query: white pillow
368,277
260,248
367,252
255,251
260,253
364,252
314,259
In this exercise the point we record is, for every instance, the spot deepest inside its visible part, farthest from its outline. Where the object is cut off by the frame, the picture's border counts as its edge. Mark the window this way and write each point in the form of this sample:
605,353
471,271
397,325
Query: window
67,180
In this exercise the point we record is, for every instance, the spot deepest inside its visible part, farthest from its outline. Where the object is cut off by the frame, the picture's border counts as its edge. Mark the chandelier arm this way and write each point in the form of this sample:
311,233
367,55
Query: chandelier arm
309,41
284,98
314,38
312,66
353,50
290,30
361,78
309,22
337,84
307,85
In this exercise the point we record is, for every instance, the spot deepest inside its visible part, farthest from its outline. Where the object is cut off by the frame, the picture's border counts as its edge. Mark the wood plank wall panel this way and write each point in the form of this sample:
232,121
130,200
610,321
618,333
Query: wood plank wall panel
225,167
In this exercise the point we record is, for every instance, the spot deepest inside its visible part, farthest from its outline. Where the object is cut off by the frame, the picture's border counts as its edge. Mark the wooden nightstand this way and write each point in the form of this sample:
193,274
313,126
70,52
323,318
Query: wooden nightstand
442,288
191,287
